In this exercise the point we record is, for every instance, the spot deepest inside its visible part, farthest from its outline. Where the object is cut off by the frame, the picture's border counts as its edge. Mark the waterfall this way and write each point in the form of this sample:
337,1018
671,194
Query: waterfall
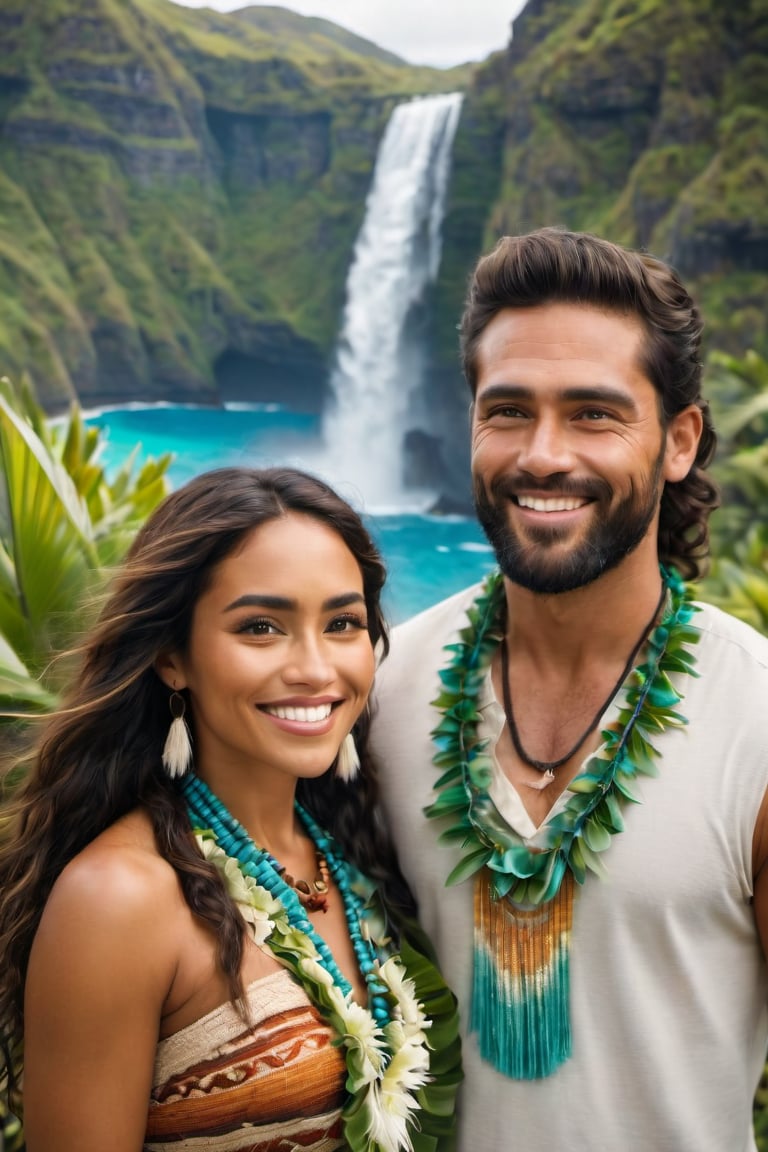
380,357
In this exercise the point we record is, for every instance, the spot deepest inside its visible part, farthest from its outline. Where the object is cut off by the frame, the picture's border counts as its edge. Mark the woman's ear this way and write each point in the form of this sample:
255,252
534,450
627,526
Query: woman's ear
683,435
170,670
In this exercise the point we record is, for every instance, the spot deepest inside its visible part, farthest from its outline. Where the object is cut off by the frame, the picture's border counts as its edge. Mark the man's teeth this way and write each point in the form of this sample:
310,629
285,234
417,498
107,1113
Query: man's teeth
305,715
551,504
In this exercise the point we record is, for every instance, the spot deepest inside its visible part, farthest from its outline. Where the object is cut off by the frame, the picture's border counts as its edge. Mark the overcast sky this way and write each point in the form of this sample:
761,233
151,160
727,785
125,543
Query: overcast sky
437,32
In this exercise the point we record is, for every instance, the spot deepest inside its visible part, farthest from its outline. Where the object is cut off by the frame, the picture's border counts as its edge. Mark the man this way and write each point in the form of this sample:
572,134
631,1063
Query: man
595,785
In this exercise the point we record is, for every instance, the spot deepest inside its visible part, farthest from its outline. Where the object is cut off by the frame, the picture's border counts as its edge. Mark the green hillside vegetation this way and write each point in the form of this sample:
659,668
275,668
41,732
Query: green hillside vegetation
180,189
324,36
180,192
641,120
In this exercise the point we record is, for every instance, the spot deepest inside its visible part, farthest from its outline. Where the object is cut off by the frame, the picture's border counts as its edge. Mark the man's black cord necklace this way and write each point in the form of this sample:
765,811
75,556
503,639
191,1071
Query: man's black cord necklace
547,767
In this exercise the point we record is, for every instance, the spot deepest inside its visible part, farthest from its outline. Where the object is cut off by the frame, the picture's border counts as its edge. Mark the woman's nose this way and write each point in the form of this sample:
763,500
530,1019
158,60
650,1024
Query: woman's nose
309,664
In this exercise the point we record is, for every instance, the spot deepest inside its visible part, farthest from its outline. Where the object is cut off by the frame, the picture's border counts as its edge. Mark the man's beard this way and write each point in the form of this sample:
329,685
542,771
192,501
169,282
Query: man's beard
526,560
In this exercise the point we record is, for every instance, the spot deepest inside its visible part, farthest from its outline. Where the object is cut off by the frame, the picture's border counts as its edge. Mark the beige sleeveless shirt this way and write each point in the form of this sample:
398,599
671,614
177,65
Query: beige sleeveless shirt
668,981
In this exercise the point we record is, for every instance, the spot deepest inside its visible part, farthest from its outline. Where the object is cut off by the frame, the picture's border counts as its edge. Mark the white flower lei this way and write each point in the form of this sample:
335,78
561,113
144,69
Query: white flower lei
386,1065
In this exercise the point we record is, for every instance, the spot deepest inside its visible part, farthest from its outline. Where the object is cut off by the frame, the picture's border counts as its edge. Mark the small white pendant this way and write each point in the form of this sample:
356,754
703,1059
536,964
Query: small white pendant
540,784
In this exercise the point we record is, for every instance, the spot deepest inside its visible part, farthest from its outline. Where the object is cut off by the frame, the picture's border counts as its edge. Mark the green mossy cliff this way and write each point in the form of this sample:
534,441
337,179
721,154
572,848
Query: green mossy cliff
179,195
642,120
180,190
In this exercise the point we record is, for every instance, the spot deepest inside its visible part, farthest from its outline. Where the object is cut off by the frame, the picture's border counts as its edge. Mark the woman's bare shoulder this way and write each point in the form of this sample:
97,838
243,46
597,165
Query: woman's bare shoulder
120,873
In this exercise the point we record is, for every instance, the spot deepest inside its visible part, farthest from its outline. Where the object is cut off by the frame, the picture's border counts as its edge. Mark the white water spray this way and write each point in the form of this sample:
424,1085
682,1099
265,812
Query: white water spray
380,355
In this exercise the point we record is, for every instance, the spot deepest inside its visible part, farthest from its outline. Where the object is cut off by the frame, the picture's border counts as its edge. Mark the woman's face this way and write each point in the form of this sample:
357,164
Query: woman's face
279,663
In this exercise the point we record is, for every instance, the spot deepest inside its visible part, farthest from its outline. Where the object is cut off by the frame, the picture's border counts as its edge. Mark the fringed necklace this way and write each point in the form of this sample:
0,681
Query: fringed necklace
523,895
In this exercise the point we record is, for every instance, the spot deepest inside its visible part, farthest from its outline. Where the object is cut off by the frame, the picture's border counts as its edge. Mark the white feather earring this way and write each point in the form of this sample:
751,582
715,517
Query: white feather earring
177,751
347,761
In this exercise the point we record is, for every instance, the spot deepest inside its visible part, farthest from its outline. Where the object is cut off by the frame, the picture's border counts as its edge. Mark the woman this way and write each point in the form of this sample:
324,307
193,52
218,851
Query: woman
205,940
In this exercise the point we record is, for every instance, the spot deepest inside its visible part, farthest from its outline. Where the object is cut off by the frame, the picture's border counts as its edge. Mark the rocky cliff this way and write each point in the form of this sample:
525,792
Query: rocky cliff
641,120
179,196
180,190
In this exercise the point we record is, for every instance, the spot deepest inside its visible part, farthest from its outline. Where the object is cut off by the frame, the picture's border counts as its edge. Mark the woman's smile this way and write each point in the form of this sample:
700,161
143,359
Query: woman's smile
304,718
279,662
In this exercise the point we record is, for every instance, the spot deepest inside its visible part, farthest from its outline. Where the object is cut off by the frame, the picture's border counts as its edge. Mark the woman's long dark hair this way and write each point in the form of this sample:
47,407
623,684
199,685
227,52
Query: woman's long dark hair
100,754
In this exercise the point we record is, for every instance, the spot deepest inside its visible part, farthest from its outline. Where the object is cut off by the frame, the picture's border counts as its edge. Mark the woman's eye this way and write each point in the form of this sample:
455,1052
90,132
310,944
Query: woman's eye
347,623
259,627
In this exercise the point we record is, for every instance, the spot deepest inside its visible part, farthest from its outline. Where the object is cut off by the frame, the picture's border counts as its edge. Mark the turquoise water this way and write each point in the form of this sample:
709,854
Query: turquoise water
428,557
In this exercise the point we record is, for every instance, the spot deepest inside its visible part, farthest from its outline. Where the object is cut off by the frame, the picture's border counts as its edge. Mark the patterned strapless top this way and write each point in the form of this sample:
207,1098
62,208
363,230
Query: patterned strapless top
272,1086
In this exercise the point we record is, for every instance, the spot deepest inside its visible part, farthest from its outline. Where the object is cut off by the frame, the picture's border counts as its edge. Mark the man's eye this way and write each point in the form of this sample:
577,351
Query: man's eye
507,412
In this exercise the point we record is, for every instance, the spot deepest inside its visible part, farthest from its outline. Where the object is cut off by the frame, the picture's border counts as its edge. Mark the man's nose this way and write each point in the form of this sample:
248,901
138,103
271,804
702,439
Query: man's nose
546,447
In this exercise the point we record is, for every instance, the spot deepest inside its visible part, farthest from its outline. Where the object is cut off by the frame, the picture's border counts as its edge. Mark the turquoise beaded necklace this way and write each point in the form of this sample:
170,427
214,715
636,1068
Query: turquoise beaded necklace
402,1051
207,811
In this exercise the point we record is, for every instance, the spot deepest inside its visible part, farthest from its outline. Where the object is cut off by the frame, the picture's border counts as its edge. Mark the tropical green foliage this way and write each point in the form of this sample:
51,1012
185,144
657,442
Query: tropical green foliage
63,524
738,580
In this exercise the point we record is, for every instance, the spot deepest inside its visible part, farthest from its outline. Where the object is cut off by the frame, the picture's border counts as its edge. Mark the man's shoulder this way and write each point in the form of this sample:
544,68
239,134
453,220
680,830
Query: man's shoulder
724,629
408,680
446,616
417,646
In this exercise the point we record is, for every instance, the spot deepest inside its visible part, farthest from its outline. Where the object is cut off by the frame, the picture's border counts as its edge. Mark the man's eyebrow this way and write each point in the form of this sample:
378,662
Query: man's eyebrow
578,393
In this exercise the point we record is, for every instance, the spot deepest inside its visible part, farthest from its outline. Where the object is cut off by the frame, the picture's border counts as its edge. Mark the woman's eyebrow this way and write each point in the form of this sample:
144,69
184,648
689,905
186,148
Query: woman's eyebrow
285,604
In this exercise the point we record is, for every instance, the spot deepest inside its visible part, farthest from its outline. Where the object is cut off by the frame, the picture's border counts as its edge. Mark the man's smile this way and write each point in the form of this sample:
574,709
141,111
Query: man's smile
551,503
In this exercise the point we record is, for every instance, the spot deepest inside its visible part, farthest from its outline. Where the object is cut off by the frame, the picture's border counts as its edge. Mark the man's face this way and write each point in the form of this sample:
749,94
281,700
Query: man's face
568,449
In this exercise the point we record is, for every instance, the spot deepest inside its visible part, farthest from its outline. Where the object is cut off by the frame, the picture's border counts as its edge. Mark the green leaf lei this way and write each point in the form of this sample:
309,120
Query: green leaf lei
402,1078
574,838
